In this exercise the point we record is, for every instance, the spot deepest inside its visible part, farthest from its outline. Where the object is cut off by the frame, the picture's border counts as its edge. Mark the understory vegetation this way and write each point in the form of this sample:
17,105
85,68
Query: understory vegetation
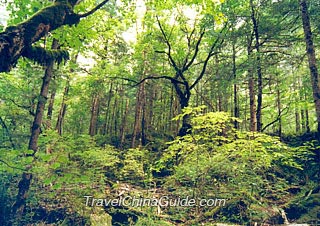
253,176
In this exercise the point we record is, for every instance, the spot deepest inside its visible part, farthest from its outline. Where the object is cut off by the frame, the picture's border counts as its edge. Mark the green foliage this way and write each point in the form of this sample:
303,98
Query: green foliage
119,45
151,222
136,165
218,161
64,171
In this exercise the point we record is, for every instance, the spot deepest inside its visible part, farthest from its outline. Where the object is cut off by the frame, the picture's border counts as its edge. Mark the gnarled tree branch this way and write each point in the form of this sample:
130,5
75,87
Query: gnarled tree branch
17,40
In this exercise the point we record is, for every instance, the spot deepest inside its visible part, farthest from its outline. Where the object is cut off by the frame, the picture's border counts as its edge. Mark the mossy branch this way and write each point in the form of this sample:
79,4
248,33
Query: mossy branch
16,40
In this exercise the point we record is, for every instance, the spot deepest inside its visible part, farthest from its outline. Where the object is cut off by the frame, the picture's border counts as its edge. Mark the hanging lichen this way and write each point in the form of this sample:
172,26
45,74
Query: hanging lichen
44,57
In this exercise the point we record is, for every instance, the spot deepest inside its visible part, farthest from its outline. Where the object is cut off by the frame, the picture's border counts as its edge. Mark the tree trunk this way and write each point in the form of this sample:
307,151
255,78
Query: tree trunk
115,111
50,107
259,70
279,110
94,115
63,109
184,98
138,115
307,121
124,125
106,120
303,121
311,58
253,122
24,184
235,87
297,117
219,97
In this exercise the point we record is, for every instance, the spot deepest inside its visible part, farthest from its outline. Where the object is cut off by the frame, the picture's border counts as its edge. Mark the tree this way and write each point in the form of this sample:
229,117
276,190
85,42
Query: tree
180,82
17,41
24,183
311,58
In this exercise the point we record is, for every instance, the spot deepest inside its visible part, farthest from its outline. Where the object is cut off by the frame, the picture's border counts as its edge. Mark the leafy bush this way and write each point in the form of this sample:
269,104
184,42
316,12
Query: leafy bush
217,161
64,171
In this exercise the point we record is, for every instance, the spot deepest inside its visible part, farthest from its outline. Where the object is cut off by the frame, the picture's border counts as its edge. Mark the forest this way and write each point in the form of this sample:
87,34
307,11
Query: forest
147,112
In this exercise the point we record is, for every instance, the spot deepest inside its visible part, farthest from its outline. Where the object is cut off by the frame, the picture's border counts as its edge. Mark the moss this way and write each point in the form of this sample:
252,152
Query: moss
44,57
50,18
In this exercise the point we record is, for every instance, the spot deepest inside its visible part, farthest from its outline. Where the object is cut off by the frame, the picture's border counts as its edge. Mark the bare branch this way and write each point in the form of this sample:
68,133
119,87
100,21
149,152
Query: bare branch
277,119
25,107
173,63
210,54
196,51
12,167
172,80
94,9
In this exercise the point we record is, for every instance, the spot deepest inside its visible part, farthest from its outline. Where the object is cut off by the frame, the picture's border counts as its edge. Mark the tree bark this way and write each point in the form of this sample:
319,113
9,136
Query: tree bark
94,115
16,41
251,87
311,59
50,107
63,109
259,70
138,115
253,122
297,116
105,128
24,183
307,121
235,87
279,111
123,127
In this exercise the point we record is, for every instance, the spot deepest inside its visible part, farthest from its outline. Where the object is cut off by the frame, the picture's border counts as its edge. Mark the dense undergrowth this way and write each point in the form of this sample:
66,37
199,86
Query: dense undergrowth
254,177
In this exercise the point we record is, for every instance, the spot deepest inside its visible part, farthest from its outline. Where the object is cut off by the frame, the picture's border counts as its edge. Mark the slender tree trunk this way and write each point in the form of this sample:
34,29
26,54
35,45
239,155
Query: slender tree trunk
171,113
106,120
297,116
146,116
50,107
143,125
307,121
235,87
253,118
279,111
303,121
252,102
311,58
115,112
219,107
138,115
259,70
24,184
123,128
94,115
63,109
152,98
